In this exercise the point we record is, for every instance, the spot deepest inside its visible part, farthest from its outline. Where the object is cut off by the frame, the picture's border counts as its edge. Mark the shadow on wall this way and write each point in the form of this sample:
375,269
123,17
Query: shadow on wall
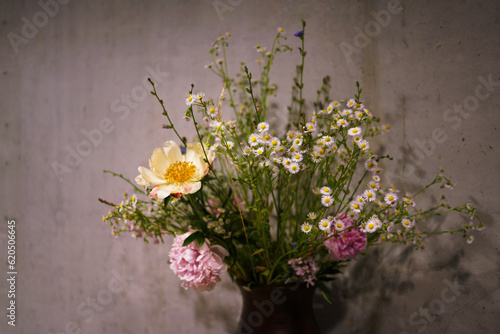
361,300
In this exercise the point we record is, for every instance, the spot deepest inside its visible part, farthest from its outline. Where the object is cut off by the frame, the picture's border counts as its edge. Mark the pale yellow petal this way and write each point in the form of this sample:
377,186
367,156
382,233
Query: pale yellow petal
159,162
172,152
149,177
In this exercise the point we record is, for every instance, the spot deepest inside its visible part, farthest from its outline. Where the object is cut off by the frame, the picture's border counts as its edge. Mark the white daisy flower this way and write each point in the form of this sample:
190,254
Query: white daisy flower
324,224
376,178
372,224
373,186
297,141
377,171
312,215
338,224
407,223
265,138
360,199
275,142
133,201
297,157
408,201
262,127
199,96
470,239
369,195
246,151
327,140
290,135
326,200
356,131
190,99
286,162
219,230
325,190
258,151
350,103
353,215
212,112
306,227
316,157
229,145
330,109
253,139
294,168
263,162
310,127
356,206
391,198
356,139
368,113
346,112
363,144
359,115
280,150
342,123
320,150
370,165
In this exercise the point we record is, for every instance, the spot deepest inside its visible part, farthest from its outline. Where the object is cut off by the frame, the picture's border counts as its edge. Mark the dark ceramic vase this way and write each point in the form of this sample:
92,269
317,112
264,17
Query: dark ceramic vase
277,310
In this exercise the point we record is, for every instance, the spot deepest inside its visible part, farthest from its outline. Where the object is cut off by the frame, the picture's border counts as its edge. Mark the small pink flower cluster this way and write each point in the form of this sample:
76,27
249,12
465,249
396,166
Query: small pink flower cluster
199,267
305,269
350,242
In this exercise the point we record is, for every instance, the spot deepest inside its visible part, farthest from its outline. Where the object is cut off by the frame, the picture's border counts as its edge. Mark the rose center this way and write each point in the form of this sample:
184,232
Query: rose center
180,172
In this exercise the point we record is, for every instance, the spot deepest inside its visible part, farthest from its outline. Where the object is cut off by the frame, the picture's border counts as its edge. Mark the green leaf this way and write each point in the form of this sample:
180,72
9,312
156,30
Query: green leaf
258,251
201,239
191,238
325,291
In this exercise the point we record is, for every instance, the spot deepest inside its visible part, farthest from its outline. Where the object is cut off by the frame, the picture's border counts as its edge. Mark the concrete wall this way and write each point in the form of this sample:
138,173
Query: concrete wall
74,72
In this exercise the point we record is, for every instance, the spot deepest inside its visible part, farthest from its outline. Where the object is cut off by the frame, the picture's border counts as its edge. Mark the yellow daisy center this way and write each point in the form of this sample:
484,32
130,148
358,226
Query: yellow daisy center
371,225
325,224
180,172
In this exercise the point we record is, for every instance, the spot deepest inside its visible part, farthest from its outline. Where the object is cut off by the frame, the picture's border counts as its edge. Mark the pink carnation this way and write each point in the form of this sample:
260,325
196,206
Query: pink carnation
199,267
349,244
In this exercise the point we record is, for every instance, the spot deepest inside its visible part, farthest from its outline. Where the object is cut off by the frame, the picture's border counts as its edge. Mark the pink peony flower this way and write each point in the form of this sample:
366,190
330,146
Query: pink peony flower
199,267
349,244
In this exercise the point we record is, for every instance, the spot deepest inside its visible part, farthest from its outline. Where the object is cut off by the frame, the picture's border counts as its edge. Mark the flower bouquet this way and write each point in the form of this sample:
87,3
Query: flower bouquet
272,204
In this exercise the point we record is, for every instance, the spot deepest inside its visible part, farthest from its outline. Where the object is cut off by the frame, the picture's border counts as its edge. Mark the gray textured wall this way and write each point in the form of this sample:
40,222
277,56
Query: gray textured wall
72,72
